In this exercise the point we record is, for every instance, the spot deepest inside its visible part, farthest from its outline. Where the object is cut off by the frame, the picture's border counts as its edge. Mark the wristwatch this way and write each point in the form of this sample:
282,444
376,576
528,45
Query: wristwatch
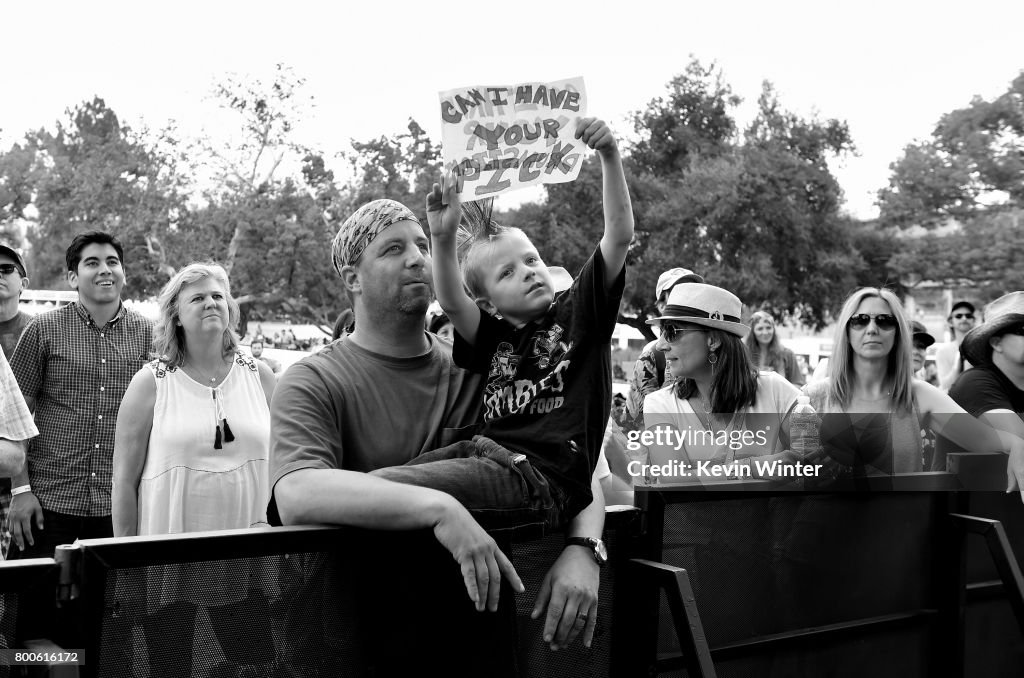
596,547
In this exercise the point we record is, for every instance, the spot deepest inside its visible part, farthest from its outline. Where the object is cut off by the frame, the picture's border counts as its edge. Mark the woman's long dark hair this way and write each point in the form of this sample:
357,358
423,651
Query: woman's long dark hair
734,385
773,356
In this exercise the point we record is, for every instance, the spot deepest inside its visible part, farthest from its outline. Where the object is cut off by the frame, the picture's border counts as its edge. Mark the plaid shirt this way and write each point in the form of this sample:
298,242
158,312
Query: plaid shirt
15,424
77,373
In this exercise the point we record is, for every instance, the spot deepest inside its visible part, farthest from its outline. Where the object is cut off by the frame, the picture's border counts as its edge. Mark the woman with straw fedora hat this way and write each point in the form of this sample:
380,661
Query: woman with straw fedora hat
726,412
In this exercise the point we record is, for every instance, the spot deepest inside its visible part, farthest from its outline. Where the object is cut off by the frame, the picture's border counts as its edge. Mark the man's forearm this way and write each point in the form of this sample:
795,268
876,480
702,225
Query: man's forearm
12,457
358,499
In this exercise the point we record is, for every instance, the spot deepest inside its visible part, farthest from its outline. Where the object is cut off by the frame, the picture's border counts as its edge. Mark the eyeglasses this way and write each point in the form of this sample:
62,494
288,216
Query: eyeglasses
959,316
884,321
7,269
670,332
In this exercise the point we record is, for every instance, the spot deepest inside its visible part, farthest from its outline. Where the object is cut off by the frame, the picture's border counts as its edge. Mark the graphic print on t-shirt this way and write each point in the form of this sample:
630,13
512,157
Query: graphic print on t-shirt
548,347
505,395
503,367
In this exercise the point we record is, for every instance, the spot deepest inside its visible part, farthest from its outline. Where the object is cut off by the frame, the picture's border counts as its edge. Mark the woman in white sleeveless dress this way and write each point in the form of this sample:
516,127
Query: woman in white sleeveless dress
191,447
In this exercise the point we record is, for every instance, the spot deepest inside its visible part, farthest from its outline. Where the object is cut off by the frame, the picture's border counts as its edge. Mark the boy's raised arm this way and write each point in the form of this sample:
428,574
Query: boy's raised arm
618,212
443,217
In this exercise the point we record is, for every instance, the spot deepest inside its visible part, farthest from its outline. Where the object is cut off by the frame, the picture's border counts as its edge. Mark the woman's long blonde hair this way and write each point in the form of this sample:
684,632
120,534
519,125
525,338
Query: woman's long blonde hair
900,369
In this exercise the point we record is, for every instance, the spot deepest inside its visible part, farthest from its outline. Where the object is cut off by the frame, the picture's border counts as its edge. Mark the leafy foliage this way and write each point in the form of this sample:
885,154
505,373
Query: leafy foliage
91,173
757,213
986,255
974,159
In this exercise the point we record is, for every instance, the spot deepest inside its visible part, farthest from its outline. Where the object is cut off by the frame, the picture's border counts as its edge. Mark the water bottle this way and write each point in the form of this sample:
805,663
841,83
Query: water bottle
804,424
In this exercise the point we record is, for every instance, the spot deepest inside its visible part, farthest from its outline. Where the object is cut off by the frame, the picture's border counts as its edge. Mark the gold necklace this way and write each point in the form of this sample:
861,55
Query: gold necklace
707,412
213,380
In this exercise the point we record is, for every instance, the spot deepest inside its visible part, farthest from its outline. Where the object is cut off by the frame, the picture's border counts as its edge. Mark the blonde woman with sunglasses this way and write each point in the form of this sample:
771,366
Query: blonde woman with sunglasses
874,409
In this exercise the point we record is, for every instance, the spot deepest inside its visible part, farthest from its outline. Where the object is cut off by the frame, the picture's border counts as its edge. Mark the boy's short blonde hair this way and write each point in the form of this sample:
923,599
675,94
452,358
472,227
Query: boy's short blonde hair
473,257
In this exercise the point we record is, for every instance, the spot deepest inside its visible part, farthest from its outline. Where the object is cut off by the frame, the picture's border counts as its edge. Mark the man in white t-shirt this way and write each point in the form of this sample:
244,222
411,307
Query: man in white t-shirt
947,356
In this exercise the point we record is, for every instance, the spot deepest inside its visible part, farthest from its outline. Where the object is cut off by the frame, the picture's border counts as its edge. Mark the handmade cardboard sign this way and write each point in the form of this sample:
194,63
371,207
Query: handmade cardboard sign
502,138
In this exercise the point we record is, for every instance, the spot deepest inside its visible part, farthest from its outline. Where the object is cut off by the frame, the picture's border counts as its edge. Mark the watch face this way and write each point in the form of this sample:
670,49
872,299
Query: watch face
600,552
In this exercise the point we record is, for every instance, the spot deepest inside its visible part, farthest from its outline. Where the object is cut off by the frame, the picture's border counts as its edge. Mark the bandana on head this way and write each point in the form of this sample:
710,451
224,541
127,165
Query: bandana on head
365,224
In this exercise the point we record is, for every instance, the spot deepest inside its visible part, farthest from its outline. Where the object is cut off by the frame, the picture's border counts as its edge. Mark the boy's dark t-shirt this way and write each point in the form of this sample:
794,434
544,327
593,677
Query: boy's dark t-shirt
548,392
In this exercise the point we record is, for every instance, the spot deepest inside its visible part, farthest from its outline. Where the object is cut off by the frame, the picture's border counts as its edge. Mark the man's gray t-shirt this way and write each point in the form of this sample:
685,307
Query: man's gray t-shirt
349,408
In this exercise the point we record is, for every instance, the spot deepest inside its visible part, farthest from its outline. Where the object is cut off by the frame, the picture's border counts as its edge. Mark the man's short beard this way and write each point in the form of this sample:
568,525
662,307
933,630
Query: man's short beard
413,305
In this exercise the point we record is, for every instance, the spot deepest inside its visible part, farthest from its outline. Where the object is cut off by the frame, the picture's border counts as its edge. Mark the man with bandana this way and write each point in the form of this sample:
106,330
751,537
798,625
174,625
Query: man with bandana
383,395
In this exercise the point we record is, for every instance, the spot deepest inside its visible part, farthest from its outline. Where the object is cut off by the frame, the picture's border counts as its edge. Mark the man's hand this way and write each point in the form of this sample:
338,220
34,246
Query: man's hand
443,208
24,508
481,561
569,592
597,135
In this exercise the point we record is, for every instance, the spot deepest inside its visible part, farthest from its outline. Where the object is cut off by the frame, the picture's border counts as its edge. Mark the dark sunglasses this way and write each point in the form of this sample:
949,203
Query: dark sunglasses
884,321
969,316
670,332
7,269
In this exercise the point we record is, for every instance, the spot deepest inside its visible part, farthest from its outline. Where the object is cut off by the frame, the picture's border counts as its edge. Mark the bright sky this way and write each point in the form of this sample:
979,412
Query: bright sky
891,69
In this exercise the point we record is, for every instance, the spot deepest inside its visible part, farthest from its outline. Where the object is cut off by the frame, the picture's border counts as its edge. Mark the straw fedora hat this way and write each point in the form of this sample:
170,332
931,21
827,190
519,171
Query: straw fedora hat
706,305
1004,312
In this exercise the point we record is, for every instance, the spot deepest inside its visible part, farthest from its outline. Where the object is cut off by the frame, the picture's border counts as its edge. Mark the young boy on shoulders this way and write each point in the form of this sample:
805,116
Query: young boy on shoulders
546,356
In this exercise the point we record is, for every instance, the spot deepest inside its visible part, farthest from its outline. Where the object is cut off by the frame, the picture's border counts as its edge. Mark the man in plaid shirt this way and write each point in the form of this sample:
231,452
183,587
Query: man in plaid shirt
16,427
13,321
73,365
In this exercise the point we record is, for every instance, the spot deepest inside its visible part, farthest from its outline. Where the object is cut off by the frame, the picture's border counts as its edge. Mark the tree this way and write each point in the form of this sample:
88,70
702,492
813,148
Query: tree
267,114
986,254
757,214
693,119
973,160
401,167
93,172
284,264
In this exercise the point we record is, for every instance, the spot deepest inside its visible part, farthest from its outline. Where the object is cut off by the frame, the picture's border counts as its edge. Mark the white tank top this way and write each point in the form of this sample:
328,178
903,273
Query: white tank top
189,485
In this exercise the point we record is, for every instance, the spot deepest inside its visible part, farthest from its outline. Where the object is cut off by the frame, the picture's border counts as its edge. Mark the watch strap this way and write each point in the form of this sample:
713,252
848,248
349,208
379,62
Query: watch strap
590,543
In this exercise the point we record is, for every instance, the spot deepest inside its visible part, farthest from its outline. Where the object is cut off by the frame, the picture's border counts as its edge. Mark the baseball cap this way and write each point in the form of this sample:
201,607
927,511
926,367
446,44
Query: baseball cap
672,277
18,261
963,303
920,333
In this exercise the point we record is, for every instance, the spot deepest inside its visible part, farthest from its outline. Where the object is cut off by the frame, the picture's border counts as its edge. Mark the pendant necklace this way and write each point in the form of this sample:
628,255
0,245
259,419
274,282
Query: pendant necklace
707,412
223,429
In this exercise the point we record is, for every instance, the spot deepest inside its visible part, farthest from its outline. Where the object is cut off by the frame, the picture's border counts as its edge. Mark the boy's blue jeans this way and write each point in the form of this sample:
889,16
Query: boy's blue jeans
501,488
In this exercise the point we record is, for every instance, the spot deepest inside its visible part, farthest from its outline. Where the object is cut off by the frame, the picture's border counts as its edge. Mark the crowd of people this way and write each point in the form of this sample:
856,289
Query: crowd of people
114,427
496,411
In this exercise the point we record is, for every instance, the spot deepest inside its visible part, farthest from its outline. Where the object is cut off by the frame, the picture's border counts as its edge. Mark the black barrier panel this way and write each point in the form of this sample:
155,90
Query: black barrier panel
994,639
363,604
230,617
763,565
17,578
896,652
532,560
318,601
785,575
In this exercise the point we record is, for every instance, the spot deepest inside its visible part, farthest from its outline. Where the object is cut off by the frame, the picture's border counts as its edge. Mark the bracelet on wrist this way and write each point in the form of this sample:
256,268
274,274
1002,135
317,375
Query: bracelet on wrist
21,489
